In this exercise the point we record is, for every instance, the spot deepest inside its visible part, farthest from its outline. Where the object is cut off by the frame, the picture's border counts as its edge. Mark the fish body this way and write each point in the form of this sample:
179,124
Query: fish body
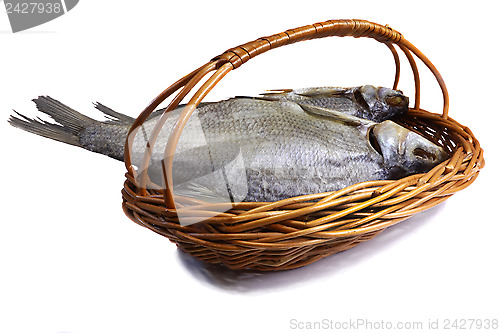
367,102
256,149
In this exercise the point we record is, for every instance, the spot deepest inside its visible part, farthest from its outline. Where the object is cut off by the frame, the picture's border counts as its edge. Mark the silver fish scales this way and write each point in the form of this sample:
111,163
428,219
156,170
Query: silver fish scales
280,145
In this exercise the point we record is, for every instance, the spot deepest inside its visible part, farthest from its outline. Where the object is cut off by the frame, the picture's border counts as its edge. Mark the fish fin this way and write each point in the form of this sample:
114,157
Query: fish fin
198,191
203,158
69,122
272,95
215,172
278,94
258,98
322,92
334,115
113,116
277,91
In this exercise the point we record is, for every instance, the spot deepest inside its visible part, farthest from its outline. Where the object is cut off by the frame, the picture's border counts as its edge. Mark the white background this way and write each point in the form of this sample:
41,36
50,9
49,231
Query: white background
71,261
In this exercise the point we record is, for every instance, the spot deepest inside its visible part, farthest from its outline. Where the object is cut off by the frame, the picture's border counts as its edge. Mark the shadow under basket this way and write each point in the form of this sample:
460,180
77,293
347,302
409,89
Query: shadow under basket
298,231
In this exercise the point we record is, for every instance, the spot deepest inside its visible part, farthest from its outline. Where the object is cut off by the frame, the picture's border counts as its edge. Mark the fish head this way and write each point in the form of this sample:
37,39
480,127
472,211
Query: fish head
404,151
382,103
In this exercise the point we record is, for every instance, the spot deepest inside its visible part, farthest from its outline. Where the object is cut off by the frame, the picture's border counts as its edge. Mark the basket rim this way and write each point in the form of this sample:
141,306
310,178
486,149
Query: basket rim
465,160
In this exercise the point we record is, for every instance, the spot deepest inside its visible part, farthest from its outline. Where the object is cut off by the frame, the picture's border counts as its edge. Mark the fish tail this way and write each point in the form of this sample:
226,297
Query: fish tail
69,122
70,126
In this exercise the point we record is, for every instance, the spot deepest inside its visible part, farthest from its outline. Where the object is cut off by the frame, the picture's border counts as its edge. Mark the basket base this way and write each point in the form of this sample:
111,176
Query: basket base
261,260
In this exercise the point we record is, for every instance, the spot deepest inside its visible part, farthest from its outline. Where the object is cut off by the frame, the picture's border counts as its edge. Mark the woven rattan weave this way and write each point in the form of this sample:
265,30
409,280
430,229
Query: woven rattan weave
297,231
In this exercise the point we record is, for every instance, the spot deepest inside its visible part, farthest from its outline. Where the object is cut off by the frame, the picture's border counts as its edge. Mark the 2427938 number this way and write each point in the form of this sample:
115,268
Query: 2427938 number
34,7
468,324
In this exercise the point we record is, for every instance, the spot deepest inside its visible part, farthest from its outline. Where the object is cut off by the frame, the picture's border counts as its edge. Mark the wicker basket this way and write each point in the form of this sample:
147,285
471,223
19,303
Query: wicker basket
297,231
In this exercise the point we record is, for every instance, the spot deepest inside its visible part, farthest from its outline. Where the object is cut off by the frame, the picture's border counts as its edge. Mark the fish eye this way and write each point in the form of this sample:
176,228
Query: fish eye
394,100
419,152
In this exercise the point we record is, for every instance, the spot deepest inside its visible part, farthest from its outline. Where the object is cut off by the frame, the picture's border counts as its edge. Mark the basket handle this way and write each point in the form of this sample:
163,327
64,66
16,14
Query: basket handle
234,58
